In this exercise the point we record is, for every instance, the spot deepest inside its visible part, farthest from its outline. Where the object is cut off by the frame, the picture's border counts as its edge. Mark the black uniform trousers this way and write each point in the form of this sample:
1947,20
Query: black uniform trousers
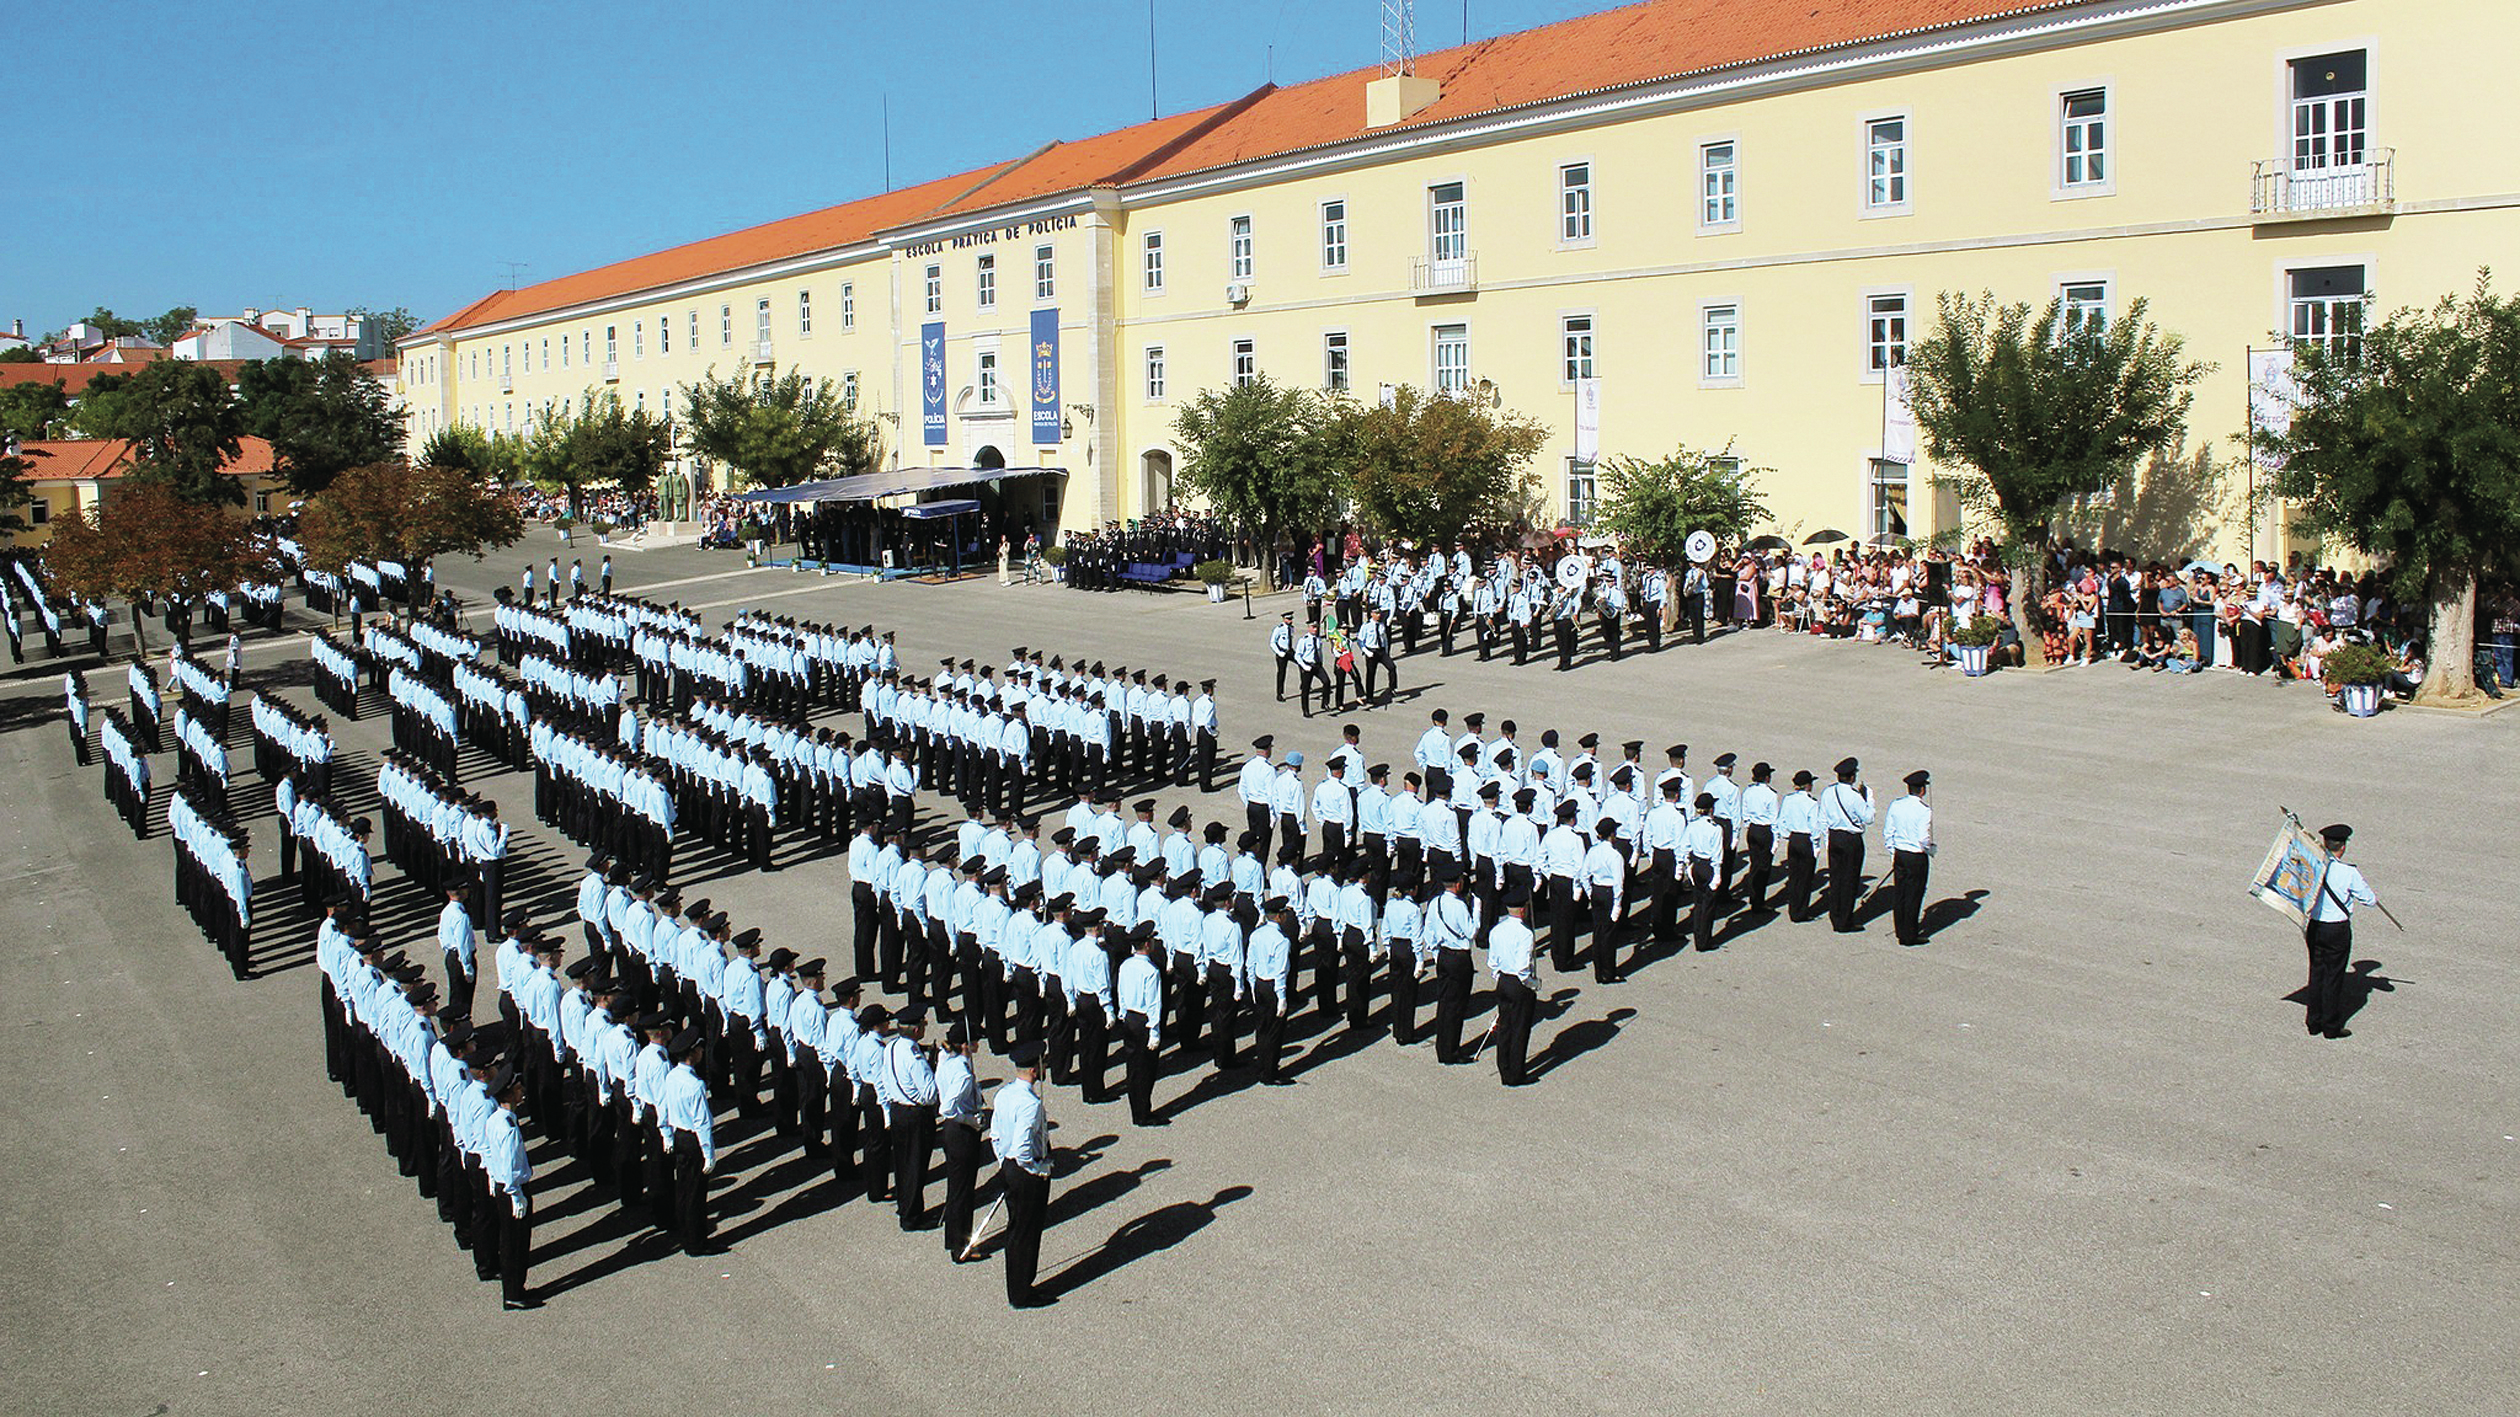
1702,902
963,1145
1452,1002
1027,1206
2331,944
1908,870
1759,845
1846,877
1138,1045
1401,970
1513,1029
691,1193
1801,857
914,1145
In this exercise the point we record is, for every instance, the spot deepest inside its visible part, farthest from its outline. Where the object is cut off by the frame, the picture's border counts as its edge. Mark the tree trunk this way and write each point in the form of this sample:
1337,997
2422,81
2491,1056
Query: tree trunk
2029,589
139,631
2450,669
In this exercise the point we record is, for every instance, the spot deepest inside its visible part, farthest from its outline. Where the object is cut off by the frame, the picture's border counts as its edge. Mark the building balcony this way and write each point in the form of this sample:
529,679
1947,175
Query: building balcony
761,352
2280,191
507,383
1429,276
612,371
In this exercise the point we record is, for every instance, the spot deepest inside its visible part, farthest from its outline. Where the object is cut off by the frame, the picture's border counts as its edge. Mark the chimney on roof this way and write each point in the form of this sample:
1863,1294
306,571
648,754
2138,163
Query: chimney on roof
306,318
1397,97
252,313
18,327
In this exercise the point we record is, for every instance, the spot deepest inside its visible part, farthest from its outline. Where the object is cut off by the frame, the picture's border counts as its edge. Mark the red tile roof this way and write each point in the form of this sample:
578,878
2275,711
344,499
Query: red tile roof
1634,44
825,230
74,378
103,459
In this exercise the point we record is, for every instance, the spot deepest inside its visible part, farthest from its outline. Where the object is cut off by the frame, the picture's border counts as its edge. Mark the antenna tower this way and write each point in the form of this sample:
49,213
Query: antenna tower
1399,37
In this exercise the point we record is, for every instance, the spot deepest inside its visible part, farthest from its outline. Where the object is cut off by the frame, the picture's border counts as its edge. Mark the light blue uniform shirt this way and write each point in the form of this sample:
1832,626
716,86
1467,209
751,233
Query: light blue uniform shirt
1020,1131
684,1106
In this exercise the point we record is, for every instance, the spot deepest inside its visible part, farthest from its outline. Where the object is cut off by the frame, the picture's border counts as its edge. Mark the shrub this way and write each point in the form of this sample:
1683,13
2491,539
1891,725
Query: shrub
1981,630
2356,664
1214,572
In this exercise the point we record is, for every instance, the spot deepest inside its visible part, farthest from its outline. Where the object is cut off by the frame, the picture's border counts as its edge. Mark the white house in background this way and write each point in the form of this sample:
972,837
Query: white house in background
128,349
14,337
230,339
312,336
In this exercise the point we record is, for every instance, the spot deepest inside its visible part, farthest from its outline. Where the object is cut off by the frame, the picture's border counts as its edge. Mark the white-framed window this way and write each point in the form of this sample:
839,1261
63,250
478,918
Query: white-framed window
690,326
1045,273
1334,234
804,314
507,361
849,389
638,339
1452,359
262,508
612,345
848,306
1583,492
986,283
761,320
2330,110
935,282
1719,185
546,352
2082,302
638,401
1575,346
1334,361
1886,165
1575,212
1885,331
39,511
1889,498
2327,305
1448,223
665,403
726,325
1154,373
2083,165
1719,343
1246,362
664,336
1238,248
564,355
1152,261
988,378
586,346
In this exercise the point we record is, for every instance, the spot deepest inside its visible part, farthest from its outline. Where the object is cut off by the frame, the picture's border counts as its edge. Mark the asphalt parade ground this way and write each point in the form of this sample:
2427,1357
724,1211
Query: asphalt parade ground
2074,1154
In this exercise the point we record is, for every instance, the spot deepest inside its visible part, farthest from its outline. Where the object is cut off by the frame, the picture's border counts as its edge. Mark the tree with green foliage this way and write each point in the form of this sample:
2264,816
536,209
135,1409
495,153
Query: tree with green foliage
1652,506
2036,412
20,354
173,325
597,443
322,416
392,511
34,410
1261,454
778,431
1426,466
183,426
2404,444
105,322
486,457
390,325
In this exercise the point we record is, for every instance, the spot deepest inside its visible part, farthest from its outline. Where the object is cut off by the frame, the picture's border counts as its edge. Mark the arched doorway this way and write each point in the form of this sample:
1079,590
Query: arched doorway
988,457
1157,467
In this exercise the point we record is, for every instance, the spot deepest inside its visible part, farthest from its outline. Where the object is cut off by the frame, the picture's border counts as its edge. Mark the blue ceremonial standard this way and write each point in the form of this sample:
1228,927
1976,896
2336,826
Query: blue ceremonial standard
1045,376
932,382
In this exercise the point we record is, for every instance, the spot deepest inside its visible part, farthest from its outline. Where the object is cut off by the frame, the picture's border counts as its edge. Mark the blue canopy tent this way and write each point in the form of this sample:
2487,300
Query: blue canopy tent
866,489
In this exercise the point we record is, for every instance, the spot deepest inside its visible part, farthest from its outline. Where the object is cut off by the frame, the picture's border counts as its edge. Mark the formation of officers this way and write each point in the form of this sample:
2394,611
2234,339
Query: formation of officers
1357,623
1154,549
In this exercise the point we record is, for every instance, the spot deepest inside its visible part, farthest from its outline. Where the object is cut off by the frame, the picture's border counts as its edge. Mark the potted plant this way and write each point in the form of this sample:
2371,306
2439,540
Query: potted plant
1216,576
1972,641
562,524
2355,673
1056,557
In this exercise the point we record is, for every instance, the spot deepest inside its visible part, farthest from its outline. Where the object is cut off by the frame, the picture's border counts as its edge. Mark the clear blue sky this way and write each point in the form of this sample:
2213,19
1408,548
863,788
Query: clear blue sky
285,153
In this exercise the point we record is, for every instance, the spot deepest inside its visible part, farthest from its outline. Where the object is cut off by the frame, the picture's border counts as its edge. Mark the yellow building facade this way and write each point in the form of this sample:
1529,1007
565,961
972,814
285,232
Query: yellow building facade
1720,223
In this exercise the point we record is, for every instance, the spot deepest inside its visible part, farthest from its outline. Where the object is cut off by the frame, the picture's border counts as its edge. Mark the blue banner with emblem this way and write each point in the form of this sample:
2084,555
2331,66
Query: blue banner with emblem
932,382
1045,376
